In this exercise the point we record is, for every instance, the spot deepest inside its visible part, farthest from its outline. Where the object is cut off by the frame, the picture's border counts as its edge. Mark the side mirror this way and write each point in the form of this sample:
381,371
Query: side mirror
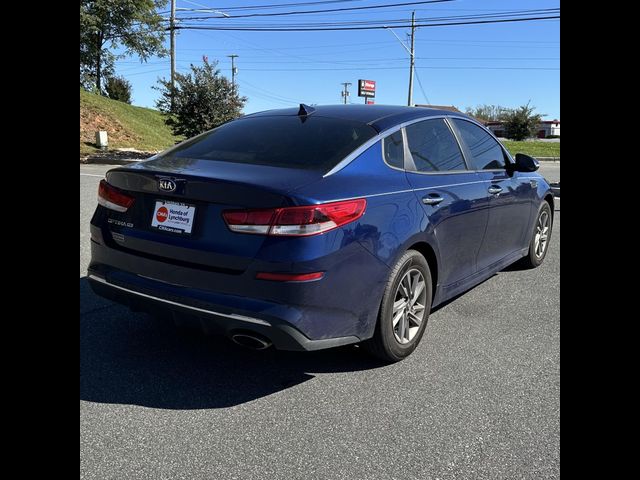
525,163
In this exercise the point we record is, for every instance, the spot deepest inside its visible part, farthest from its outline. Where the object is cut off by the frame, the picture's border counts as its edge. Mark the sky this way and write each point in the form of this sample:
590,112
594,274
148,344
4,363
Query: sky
506,64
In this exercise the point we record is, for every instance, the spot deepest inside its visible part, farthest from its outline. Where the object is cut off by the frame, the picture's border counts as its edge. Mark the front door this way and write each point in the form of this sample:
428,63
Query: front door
510,195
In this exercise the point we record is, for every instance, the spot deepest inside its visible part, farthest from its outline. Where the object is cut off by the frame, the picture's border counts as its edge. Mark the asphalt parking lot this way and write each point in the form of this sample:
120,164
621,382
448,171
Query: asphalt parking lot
550,171
478,399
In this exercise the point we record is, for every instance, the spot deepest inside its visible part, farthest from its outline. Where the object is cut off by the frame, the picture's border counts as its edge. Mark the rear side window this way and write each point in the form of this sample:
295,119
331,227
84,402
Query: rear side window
394,150
433,147
486,152
316,143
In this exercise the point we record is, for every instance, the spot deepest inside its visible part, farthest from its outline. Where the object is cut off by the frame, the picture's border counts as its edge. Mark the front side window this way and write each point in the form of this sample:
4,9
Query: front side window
486,152
433,147
394,150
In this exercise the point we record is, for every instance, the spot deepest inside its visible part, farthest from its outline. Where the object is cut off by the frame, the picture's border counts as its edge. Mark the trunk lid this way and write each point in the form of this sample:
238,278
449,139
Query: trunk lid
204,188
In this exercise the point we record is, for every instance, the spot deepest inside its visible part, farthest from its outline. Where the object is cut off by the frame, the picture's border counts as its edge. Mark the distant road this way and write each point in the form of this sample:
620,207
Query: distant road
550,171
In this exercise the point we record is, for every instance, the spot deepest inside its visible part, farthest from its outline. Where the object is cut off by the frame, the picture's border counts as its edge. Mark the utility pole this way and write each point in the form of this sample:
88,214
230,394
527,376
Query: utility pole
233,69
412,54
345,93
172,30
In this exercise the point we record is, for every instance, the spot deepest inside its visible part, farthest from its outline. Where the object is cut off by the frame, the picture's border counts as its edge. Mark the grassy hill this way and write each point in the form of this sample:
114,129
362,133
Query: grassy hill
533,148
127,126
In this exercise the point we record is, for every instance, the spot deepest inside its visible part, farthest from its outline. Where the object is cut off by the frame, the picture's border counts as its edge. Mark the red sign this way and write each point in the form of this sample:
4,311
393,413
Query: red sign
369,102
366,88
162,214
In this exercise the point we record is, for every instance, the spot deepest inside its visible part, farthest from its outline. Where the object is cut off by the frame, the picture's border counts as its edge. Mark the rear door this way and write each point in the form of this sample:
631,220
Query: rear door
453,197
510,193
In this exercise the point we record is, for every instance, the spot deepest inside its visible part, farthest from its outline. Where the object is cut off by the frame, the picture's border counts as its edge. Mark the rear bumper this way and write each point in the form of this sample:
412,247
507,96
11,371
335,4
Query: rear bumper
212,318
339,309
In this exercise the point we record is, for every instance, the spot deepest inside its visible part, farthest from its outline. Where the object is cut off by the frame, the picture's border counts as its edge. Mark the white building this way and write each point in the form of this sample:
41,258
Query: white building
545,128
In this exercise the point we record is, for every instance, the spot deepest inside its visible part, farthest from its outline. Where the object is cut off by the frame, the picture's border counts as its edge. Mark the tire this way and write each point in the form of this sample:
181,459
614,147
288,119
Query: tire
537,253
394,342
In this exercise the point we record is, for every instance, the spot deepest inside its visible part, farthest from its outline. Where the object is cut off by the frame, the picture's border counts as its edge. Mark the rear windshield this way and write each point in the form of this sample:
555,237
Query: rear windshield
317,143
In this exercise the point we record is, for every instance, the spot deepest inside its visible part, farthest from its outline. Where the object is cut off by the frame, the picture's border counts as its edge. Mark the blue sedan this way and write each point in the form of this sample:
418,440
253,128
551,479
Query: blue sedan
314,227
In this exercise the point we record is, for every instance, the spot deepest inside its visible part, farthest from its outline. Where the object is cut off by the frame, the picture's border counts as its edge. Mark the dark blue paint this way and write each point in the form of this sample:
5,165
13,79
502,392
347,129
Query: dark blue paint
472,233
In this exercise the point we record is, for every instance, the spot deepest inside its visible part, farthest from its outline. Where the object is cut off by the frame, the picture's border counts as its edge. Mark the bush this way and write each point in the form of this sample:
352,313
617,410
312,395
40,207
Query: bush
552,136
521,123
118,88
201,100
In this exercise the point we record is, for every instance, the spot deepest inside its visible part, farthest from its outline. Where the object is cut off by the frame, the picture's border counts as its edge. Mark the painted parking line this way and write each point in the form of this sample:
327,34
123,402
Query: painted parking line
91,175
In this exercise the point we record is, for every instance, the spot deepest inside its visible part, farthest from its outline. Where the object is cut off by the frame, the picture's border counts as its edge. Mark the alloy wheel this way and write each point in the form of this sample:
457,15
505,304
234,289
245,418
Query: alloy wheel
409,306
542,234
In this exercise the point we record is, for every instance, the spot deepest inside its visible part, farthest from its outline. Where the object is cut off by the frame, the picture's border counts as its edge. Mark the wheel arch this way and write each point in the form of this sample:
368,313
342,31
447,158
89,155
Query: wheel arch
549,198
428,252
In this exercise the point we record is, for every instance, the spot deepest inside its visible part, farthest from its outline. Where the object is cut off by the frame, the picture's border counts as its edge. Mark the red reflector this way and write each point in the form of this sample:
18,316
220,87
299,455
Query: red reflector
289,277
248,217
112,198
296,221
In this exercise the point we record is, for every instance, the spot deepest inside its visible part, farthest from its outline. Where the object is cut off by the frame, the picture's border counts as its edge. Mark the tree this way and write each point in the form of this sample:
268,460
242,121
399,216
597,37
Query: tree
133,25
521,123
488,113
118,88
201,100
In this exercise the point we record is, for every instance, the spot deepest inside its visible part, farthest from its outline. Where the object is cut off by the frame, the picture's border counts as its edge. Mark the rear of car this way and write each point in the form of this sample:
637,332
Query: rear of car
218,231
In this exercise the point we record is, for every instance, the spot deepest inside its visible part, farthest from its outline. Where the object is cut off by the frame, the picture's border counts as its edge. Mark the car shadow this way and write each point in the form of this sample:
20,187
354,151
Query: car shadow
131,358
454,298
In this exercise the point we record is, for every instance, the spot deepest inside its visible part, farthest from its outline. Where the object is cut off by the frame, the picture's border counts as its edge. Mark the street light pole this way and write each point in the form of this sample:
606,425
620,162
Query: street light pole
412,54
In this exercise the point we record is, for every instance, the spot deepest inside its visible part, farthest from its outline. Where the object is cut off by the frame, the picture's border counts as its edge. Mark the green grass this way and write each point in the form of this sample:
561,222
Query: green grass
533,148
127,126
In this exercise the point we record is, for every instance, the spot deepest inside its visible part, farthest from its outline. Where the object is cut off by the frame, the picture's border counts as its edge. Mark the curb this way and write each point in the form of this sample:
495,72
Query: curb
548,159
108,161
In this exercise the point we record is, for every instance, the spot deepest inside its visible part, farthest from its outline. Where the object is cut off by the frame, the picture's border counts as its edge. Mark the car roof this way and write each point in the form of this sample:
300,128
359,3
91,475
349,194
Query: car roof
380,117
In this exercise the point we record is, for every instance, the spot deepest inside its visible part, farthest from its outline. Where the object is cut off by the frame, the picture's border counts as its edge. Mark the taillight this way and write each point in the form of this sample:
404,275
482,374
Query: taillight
295,221
113,198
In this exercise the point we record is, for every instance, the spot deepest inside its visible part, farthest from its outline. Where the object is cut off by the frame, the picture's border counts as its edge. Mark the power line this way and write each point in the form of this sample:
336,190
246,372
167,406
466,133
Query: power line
268,92
265,96
389,43
370,61
432,19
285,5
422,88
355,61
359,22
474,67
380,27
331,10
498,13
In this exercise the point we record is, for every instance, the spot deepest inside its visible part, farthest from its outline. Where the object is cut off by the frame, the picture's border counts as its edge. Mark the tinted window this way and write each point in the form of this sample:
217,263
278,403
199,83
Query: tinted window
281,141
433,147
394,150
486,153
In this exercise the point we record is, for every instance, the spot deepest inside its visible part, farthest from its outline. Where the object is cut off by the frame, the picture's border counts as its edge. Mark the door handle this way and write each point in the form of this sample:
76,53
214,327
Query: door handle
495,190
432,199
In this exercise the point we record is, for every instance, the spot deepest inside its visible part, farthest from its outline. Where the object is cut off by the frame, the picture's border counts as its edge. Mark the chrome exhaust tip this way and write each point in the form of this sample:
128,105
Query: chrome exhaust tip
250,340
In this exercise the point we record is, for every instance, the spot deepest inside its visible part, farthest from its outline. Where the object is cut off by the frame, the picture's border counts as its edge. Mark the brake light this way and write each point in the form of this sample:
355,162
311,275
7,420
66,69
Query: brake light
113,198
295,221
